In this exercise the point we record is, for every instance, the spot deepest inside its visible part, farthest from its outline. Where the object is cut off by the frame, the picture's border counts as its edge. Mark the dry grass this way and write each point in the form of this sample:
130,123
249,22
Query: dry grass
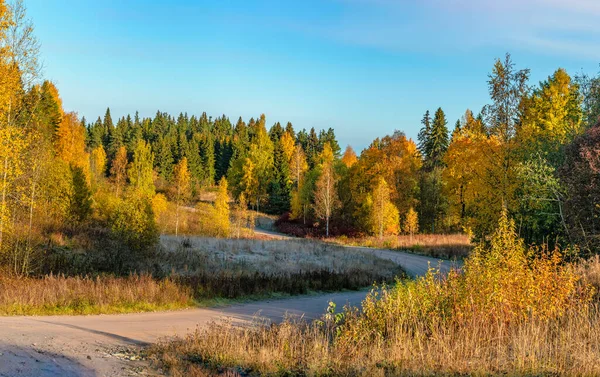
77,295
198,270
234,268
527,317
446,246
569,346
590,272
268,256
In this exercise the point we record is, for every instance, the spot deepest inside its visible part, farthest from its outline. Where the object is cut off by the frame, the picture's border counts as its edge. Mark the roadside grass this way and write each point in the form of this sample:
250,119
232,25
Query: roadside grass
444,246
236,268
529,316
189,272
53,295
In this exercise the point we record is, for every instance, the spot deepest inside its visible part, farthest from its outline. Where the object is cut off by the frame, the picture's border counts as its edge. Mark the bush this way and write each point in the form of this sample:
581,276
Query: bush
508,313
132,220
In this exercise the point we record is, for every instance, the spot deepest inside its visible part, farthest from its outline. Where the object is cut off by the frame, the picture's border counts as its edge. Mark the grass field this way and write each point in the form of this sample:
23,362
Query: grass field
527,317
445,246
102,295
200,271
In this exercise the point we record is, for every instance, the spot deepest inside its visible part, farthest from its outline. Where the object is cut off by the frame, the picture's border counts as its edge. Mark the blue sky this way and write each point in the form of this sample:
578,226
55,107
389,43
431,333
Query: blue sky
363,67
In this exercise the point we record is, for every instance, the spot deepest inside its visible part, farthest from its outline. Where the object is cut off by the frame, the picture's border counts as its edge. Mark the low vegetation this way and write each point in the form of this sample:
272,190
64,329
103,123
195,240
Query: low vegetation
445,246
530,315
100,295
231,268
188,271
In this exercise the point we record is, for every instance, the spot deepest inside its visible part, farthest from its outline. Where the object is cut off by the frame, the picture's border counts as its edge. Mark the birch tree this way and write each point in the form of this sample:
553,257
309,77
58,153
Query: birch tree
183,188
326,199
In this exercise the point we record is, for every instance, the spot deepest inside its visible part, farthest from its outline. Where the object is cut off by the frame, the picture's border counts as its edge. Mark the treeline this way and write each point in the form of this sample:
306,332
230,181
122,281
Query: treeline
58,212
534,151
254,160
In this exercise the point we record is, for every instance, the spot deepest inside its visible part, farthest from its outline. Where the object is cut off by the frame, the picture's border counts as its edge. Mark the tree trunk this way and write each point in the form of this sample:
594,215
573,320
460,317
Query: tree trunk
177,221
28,247
3,205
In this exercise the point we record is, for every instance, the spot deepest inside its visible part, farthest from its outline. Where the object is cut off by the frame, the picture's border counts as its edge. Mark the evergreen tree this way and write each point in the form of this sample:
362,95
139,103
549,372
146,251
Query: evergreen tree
423,137
311,148
438,140
117,138
108,129
48,110
164,158
96,134
81,199
329,137
279,189
276,132
456,131
289,128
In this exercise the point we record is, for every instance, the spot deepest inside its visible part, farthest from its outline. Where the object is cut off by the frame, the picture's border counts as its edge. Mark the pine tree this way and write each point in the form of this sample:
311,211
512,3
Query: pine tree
438,139
423,137
108,129
279,189
81,198
49,109
329,137
96,134
164,157
311,148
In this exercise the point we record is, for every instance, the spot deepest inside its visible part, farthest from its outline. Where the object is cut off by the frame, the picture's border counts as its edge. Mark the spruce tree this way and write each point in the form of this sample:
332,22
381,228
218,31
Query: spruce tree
96,134
423,137
108,128
438,139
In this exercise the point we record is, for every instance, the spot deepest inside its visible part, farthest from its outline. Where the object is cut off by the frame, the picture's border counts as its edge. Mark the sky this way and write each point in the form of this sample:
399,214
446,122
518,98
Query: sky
363,67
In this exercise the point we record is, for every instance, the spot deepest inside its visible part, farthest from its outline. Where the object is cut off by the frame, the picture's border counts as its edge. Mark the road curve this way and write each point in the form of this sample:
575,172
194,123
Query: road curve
96,345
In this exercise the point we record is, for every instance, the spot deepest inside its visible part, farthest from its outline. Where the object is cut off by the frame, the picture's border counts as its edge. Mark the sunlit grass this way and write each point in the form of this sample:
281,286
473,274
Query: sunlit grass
53,295
507,312
446,246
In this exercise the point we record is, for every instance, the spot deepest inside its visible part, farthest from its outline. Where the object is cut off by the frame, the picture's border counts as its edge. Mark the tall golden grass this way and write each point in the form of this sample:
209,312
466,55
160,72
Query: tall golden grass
83,295
447,246
507,313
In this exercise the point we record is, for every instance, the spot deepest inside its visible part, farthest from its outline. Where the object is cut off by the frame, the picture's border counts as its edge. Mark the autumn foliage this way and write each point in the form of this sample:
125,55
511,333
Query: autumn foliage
507,312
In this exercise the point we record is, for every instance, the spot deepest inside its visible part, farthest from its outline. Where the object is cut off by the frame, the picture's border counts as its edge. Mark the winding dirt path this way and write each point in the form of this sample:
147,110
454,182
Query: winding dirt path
100,345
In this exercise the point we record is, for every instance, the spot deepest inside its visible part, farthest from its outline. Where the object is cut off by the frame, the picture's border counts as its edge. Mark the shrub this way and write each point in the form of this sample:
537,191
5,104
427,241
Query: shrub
133,222
509,312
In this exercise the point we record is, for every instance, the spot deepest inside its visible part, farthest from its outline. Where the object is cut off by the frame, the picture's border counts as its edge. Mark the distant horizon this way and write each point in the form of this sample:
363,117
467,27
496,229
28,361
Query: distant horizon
362,68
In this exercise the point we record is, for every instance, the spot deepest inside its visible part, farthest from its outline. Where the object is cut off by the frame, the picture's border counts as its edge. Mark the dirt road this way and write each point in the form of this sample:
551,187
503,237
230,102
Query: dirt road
99,345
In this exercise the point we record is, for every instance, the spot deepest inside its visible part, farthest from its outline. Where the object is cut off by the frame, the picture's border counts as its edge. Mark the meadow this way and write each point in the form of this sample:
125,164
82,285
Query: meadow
528,316
444,246
192,271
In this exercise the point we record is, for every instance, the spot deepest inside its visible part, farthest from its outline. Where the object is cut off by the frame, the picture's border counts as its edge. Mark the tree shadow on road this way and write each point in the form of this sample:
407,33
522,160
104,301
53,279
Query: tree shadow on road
17,361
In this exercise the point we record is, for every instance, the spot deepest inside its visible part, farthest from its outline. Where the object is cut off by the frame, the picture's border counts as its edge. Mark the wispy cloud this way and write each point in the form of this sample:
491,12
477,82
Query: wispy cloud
555,27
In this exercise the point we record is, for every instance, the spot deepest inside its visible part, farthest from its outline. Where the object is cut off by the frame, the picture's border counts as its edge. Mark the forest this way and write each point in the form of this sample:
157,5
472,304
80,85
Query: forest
128,213
532,151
